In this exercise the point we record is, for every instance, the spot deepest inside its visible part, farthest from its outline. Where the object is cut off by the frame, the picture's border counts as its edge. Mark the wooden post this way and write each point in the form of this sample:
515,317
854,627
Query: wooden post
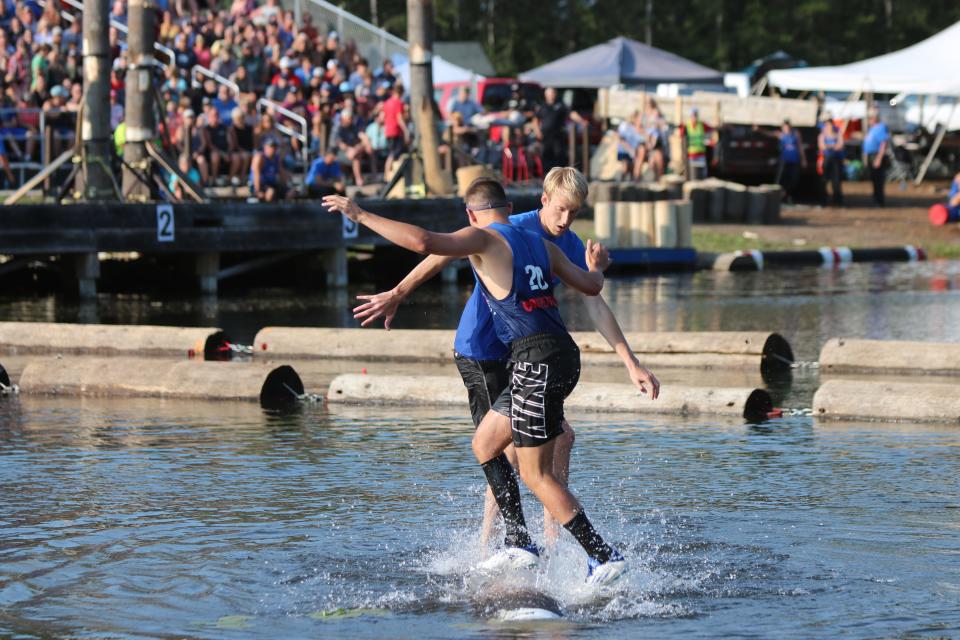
95,180
571,144
585,148
335,266
87,268
420,35
138,111
208,270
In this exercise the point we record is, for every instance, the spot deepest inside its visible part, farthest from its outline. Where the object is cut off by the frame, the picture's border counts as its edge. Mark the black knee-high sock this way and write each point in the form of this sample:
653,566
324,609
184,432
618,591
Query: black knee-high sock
506,492
588,537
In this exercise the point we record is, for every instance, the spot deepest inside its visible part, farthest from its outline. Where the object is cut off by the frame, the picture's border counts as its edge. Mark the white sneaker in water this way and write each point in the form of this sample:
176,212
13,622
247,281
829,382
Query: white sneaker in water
608,572
511,558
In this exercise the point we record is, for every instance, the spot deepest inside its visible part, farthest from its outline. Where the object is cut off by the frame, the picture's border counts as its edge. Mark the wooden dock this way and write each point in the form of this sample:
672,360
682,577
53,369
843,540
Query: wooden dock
264,233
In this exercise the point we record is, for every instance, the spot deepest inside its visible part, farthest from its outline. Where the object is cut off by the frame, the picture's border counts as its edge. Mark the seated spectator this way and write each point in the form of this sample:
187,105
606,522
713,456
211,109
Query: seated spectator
214,144
268,178
223,63
240,138
5,164
465,106
377,136
200,50
354,144
225,102
191,143
175,185
325,176
184,56
631,146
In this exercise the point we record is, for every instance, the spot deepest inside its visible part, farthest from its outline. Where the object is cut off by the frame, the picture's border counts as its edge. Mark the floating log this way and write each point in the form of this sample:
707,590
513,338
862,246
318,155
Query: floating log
698,349
109,339
890,401
400,345
756,260
890,356
752,404
272,386
734,349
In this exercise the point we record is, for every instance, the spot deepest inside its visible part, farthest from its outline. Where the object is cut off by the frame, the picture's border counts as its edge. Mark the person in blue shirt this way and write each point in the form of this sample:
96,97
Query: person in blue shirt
830,142
325,177
953,199
875,152
793,160
514,269
465,106
480,356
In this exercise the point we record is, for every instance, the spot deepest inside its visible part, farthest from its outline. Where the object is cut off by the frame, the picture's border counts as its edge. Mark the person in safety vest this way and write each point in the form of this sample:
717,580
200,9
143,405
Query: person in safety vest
694,138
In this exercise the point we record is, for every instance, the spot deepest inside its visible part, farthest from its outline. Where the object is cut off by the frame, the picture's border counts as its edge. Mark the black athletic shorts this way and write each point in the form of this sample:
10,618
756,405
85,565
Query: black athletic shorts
485,380
544,369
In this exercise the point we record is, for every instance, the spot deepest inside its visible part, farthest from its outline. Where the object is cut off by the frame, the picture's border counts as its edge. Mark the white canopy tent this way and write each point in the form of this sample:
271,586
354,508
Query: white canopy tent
443,71
928,67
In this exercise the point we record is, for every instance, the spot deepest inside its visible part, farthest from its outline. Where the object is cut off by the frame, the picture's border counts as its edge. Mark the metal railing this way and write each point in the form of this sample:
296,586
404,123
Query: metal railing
373,43
302,135
216,77
119,26
38,136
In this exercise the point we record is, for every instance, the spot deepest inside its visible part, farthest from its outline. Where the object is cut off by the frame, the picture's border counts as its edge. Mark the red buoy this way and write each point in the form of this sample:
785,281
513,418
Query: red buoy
939,215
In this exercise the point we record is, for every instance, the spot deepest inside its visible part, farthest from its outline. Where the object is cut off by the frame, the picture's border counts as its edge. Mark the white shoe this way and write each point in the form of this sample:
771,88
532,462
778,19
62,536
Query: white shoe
607,572
511,558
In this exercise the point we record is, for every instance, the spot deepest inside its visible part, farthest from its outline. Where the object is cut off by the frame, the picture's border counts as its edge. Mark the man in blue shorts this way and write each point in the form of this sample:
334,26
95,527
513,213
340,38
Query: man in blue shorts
514,270
480,356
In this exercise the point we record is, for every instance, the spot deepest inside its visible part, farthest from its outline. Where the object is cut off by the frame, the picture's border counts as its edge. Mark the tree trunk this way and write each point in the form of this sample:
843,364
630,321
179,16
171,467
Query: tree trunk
95,181
648,19
139,99
420,36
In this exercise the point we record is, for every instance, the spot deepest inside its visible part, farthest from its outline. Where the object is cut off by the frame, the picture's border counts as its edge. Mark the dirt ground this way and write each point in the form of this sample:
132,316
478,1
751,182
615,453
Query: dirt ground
858,224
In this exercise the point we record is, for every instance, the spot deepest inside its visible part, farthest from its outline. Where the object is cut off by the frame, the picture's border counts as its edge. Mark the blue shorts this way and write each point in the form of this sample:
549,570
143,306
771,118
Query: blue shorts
623,156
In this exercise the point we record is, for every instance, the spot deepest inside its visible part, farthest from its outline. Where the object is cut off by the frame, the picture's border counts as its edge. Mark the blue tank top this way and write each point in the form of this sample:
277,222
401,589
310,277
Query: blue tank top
789,147
530,307
269,171
830,152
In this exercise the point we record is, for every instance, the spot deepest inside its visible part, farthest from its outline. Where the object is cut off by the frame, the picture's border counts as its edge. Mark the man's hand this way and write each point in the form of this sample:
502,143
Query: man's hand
344,205
597,256
644,380
378,305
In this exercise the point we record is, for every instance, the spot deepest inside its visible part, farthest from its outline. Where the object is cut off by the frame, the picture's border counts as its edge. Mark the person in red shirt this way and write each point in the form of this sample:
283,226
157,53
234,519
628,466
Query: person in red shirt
394,126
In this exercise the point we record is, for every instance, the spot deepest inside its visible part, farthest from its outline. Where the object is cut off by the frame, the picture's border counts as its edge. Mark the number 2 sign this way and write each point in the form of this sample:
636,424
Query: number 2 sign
165,227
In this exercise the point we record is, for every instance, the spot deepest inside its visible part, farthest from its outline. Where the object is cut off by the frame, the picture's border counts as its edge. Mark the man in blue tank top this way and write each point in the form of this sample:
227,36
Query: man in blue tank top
480,356
515,270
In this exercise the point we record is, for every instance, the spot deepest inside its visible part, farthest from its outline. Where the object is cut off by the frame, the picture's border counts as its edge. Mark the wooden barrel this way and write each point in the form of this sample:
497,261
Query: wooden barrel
756,205
684,209
665,222
735,202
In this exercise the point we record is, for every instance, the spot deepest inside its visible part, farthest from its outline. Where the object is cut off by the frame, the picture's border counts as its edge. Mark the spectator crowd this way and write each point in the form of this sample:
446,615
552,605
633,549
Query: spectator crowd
322,98
246,97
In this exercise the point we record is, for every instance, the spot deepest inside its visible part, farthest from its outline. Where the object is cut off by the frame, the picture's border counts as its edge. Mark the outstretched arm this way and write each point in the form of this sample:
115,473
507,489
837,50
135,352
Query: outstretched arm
459,244
587,282
606,323
385,304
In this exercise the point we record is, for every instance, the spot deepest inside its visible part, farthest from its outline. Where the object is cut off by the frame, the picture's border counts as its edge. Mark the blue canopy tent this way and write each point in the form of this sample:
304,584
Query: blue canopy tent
620,61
